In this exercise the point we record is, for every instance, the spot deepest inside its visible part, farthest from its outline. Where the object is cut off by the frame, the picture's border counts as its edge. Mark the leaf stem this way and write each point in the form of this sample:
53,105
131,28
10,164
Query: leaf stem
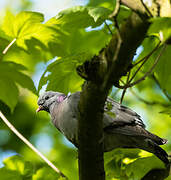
9,45
17,133
108,28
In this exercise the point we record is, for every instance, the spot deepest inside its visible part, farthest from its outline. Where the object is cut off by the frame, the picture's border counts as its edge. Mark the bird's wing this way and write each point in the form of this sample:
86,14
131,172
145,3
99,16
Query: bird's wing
121,115
126,121
115,113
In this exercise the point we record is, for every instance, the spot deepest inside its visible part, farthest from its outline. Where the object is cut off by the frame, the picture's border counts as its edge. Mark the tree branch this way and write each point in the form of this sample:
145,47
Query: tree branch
146,8
102,72
19,135
147,73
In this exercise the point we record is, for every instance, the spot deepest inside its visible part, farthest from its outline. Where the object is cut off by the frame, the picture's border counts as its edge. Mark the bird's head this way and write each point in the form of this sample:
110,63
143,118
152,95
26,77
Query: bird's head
48,98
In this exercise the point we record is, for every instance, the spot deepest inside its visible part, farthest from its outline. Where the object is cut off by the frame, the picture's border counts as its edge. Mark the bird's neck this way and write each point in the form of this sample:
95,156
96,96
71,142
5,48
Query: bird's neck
51,107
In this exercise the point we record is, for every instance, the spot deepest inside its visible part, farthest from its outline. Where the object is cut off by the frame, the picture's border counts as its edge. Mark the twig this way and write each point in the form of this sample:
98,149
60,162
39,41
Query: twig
116,10
15,131
146,8
108,28
147,73
148,55
9,45
148,102
115,14
145,60
124,91
118,47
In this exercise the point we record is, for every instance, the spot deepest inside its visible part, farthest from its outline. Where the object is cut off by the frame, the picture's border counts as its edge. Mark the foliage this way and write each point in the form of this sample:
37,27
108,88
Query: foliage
65,41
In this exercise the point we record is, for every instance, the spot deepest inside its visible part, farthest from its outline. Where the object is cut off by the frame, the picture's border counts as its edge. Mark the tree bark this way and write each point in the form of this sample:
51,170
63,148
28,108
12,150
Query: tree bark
102,72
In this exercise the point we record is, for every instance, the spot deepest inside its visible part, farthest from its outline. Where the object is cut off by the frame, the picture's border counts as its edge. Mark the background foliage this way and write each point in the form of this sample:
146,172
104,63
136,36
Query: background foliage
54,48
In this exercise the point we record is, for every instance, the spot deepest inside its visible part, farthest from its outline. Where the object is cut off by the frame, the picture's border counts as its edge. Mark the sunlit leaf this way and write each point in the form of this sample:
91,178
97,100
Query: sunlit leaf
17,163
46,173
143,166
110,4
22,24
161,25
167,111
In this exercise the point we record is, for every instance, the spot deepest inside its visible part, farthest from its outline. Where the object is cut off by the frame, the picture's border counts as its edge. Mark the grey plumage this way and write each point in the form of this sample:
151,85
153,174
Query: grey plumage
122,126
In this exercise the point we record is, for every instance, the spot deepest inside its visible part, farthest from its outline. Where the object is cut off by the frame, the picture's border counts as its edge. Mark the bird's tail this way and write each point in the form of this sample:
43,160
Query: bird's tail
154,148
158,140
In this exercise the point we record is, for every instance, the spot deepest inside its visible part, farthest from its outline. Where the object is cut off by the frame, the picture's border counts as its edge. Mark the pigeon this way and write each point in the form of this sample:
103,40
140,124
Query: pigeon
122,127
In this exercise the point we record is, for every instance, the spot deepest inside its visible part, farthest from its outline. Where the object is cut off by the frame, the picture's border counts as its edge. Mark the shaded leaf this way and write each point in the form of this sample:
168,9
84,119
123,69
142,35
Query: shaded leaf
80,17
7,174
163,70
61,76
12,70
73,18
10,75
8,92
99,14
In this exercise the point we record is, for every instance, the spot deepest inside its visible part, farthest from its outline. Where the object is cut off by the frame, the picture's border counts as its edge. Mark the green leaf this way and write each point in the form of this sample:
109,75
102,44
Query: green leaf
167,111
7,174
115,162
143,166
61,76
123,14
12,70
162,70
99,14
80,17
110,4
80,41
8,92
162,25
17,163
7,26
72,18
22,24
46,173
10,75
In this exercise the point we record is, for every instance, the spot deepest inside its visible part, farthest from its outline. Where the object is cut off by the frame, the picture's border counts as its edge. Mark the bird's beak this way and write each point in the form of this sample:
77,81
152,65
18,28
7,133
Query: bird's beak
40,108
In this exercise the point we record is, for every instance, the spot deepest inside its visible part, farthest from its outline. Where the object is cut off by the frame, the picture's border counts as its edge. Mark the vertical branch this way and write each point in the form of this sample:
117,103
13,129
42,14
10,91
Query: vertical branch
90,132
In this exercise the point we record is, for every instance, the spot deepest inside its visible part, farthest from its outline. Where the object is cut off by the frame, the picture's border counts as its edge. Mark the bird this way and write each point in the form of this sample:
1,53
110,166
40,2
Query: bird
122,127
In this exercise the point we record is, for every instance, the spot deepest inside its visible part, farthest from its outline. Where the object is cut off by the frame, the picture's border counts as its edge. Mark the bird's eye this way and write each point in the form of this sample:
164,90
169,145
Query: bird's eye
47,97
